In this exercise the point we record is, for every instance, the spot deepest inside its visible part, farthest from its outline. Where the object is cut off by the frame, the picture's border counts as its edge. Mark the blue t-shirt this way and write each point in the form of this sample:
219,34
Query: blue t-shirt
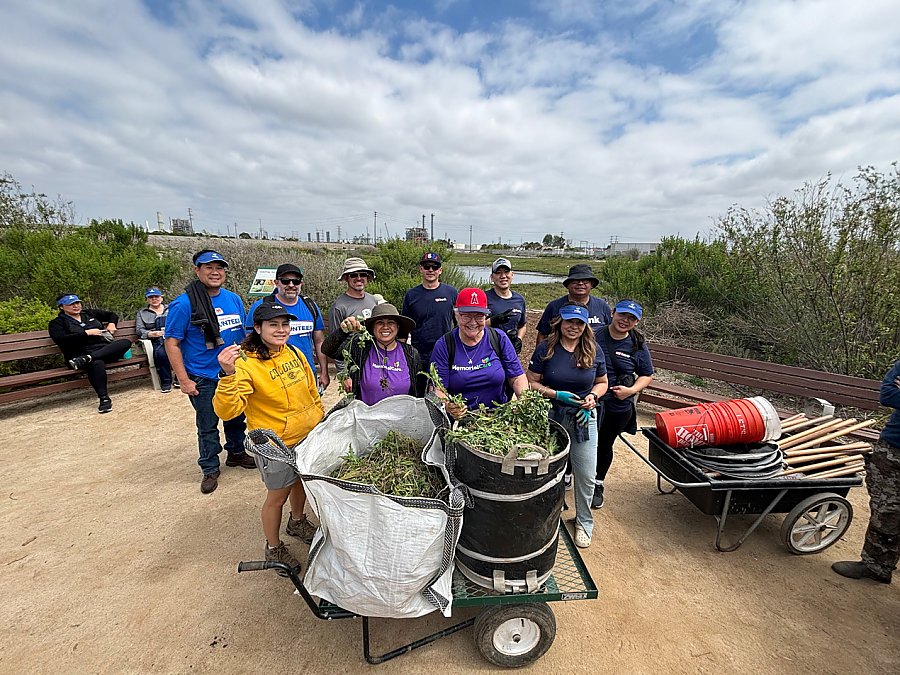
198,360
477,372
638,363
890,397
599,313
432,310
516,305
301,329
560,372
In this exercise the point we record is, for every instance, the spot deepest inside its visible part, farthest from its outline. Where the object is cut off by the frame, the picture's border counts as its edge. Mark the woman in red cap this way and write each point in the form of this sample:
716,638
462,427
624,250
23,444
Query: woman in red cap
475,360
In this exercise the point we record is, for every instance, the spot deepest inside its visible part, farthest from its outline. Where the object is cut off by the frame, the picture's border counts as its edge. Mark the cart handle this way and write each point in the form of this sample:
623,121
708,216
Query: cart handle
291,573
660,472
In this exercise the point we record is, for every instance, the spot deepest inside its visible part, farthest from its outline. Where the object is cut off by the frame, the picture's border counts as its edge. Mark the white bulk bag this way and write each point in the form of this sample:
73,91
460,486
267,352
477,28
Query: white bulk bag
377,555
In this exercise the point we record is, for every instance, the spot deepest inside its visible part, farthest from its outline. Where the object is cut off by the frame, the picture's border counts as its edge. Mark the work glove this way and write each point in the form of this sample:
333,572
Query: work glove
500,319
582,417
568,398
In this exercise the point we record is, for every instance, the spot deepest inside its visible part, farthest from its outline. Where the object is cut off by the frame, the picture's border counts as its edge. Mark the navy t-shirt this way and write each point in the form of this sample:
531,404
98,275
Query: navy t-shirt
516,305
599,313
638,363
560,372
432,310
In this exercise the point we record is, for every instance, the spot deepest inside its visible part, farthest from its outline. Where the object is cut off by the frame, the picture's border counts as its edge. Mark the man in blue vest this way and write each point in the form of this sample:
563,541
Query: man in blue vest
202,321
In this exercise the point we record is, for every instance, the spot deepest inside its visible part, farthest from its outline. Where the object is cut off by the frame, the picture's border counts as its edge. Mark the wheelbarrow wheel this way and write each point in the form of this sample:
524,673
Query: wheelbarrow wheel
515,635
816,523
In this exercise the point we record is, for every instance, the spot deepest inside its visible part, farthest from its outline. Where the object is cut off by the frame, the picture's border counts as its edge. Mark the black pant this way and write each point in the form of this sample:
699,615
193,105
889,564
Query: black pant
100,356
609,427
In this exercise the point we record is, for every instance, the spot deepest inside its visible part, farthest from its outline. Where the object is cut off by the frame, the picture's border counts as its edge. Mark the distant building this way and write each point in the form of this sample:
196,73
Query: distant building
417,234
624,248
182,226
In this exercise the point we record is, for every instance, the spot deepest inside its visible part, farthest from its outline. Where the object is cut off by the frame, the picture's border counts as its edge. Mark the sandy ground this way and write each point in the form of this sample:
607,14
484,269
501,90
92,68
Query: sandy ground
112,561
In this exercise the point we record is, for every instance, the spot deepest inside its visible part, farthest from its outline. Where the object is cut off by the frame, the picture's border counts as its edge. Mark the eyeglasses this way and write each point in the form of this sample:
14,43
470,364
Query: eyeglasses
431,267
291,282
357,275
472,317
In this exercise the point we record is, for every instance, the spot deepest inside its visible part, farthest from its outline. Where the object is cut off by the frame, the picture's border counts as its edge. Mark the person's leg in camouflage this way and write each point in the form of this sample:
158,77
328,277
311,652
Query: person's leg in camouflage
881,549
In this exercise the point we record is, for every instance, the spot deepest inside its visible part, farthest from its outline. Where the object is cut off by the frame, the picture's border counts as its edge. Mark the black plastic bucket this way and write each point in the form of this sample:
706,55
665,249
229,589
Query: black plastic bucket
510,534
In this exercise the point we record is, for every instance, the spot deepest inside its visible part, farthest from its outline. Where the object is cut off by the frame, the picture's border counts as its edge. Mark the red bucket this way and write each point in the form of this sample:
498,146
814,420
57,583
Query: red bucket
721,423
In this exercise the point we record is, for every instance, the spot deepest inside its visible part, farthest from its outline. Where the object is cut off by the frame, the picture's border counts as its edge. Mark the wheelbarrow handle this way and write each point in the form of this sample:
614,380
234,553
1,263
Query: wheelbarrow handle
257,565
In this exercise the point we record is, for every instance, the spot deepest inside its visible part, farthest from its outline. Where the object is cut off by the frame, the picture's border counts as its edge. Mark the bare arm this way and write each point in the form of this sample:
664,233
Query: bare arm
176,360
321,360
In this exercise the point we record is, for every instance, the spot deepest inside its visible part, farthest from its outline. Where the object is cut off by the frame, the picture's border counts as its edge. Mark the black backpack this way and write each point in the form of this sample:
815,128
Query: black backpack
493,338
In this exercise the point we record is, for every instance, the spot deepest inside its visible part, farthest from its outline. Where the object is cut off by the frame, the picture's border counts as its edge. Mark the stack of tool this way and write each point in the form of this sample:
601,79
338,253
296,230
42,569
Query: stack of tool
812,447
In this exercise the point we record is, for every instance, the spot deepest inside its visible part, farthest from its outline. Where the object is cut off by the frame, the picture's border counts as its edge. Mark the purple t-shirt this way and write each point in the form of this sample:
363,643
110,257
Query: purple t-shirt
385,373
477,372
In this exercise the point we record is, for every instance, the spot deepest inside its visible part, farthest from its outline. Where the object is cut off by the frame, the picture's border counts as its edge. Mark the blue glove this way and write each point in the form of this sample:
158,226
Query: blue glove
568,398
583,417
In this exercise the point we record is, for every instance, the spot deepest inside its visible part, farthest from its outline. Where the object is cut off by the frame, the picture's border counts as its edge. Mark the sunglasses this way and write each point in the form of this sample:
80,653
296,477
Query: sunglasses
291,282
357,275
430,266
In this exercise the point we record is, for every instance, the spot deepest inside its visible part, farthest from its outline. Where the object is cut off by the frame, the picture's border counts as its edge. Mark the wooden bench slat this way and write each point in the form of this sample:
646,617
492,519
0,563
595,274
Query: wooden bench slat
143,370
24,379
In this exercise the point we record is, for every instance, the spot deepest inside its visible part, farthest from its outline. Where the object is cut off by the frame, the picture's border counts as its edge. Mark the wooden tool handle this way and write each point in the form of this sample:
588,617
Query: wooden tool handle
835,434
796,439
822,465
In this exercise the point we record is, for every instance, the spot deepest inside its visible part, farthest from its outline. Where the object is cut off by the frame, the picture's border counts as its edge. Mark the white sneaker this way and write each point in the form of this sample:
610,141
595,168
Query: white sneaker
568,481
582,540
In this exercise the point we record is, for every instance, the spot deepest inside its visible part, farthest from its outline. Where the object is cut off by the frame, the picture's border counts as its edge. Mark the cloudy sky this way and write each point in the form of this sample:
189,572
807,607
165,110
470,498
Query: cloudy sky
598,119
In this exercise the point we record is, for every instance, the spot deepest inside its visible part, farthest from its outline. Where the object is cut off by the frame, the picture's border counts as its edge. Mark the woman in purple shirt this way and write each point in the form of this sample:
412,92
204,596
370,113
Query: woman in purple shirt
481,366
385,366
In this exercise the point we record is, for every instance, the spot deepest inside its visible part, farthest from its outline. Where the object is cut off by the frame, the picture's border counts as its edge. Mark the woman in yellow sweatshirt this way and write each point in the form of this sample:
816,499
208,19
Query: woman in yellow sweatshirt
274,385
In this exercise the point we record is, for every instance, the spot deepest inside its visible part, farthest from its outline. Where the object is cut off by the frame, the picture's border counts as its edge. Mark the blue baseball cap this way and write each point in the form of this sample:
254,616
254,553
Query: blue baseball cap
569,312
208,257
630,307
153,291
69,299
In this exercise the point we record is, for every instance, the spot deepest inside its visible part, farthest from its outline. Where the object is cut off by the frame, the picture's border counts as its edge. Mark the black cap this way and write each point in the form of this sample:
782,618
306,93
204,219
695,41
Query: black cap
271,310
580,272
286,269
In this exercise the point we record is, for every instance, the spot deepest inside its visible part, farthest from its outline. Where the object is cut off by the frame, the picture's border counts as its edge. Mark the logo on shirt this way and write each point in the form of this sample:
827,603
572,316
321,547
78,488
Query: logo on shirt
481,365
440,299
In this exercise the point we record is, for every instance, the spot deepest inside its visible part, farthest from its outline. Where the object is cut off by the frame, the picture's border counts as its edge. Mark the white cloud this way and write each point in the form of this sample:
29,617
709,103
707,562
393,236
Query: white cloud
243,112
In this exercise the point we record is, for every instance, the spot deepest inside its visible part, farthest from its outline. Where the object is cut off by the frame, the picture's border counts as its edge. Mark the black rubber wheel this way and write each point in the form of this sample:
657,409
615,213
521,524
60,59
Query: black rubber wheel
513,636
816,523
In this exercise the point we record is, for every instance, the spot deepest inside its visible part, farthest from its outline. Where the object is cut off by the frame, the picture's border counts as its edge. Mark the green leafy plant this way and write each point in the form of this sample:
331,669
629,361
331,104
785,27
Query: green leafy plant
394,466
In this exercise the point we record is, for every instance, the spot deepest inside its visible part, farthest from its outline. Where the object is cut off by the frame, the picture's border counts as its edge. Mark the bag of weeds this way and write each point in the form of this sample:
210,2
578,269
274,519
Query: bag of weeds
379,554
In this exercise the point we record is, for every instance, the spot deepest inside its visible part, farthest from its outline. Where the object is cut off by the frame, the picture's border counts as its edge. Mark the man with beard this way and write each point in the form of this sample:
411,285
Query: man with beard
308,331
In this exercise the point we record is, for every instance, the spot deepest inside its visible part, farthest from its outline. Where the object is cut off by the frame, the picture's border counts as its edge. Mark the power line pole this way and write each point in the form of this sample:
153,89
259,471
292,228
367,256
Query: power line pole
432,227
191,218
470,238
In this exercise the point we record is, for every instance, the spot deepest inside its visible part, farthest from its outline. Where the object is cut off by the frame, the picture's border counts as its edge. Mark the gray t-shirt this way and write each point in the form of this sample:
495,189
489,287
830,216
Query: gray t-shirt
344,306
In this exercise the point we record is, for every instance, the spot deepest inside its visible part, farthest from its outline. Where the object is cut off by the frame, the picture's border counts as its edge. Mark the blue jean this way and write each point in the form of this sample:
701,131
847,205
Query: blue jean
208,427
161,361
583,460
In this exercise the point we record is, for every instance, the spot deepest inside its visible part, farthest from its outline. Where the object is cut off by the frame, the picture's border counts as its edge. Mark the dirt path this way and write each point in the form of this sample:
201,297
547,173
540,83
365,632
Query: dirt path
112,561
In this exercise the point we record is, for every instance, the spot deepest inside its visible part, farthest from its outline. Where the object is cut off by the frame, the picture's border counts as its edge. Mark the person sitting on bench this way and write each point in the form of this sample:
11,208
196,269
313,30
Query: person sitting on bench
87,340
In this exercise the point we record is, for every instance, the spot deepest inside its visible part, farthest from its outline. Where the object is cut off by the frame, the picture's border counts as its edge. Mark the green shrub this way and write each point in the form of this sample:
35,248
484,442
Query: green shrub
18,315
396,265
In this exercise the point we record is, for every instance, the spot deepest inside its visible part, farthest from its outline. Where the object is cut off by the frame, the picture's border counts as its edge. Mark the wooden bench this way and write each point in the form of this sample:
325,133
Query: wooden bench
23,346
756,376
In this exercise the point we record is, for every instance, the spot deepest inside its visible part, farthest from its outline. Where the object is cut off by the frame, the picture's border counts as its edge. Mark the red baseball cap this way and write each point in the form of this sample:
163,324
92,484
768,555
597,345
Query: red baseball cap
472,300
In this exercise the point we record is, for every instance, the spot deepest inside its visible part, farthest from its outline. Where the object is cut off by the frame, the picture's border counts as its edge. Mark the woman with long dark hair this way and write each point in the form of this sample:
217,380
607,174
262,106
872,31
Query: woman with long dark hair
273,383
569,369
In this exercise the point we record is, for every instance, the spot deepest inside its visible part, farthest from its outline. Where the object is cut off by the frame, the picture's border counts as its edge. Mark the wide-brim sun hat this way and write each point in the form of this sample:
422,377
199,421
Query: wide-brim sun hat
355,265
581,272
386,310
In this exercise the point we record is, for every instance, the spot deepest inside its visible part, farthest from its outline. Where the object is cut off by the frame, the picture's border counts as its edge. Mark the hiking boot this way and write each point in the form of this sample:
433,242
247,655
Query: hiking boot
859,570
79,361
105,405
301,528
209,483
242,460
582,538
281,554
597,499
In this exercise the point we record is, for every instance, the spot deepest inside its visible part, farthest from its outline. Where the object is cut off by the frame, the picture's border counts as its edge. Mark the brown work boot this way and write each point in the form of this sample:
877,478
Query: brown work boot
301,528
209,483
242,460
281,554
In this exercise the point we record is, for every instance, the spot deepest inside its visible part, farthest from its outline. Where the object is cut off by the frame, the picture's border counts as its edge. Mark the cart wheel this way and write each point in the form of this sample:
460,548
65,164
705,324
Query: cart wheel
816,523
515,635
